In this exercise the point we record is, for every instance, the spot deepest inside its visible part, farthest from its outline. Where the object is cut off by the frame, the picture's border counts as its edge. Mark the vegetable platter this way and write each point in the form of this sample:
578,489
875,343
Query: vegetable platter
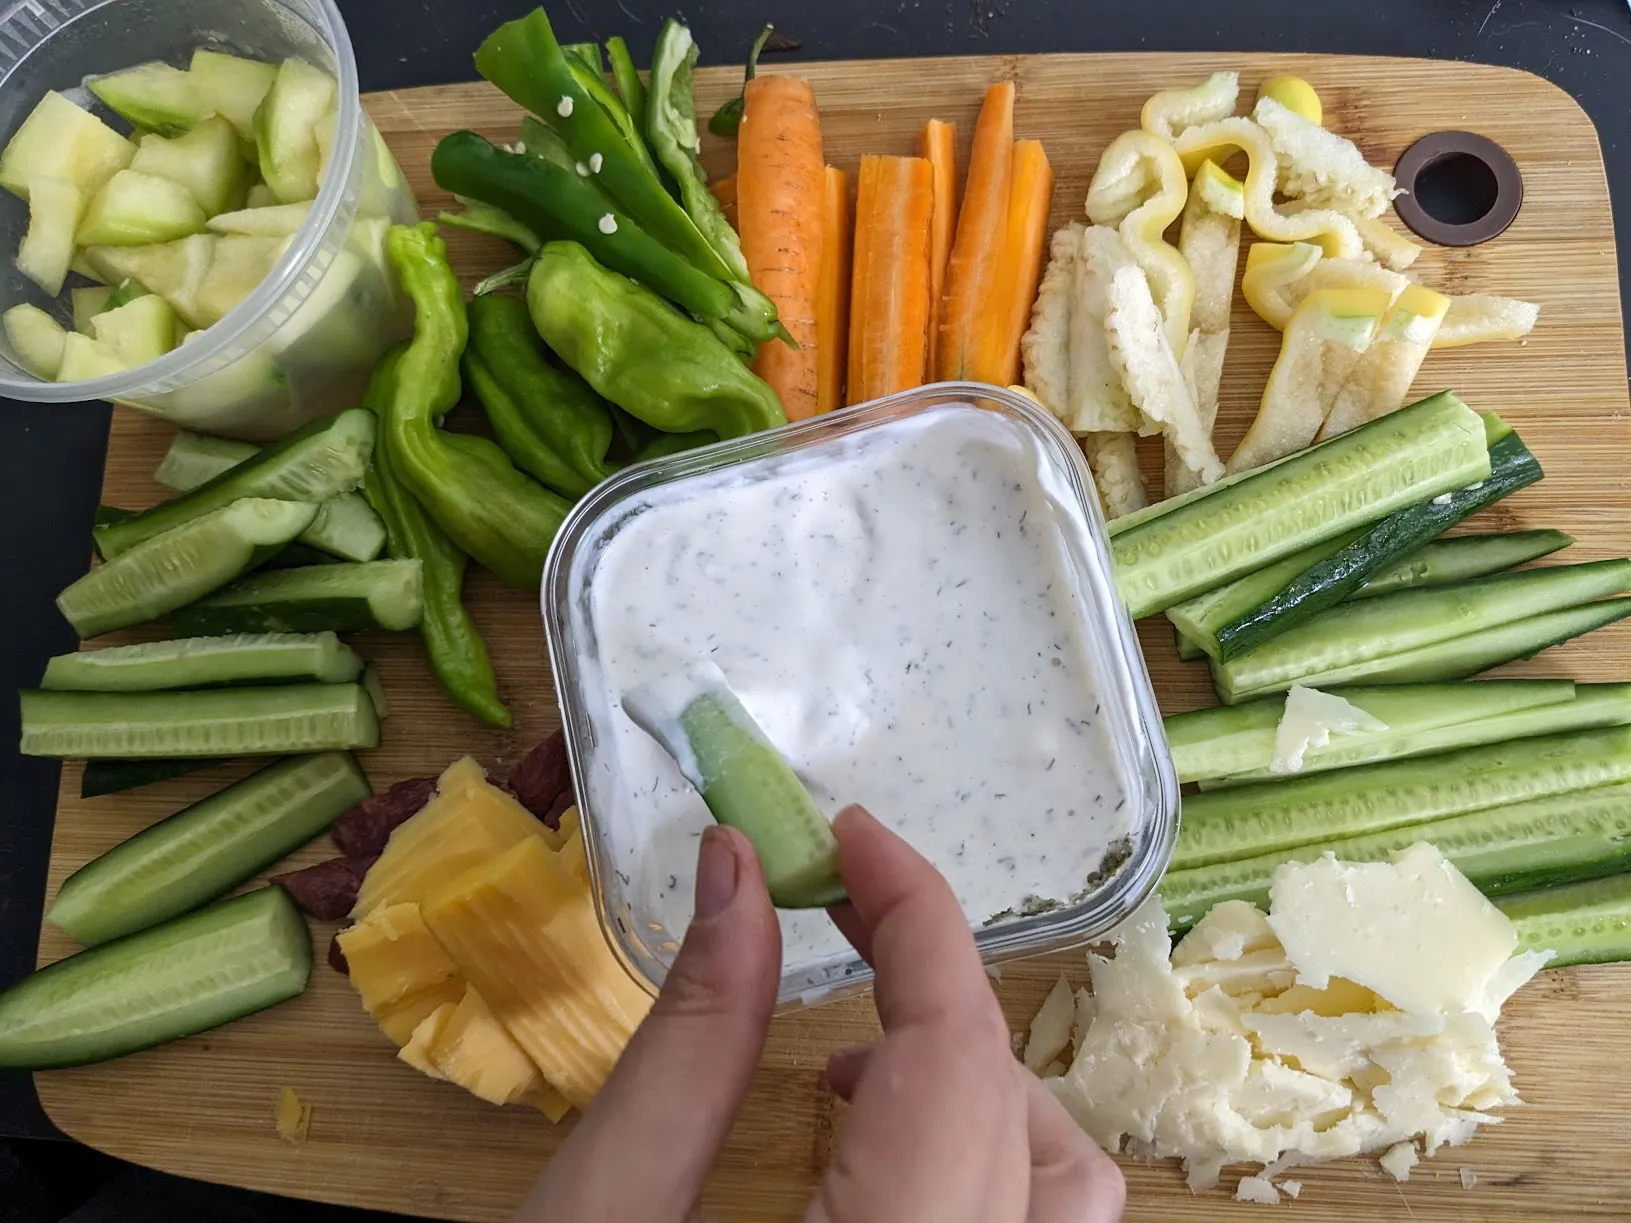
384,1137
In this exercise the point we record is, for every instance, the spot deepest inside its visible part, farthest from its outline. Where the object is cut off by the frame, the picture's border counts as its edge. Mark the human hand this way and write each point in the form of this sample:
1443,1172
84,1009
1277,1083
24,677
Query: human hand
946,1124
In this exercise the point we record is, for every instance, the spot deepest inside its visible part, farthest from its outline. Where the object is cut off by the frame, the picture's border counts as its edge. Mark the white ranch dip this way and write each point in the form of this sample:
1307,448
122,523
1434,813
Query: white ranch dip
896,609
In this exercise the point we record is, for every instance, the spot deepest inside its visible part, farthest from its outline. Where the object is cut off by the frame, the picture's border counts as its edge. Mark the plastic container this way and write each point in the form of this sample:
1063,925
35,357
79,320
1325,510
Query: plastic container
1133,729
303,342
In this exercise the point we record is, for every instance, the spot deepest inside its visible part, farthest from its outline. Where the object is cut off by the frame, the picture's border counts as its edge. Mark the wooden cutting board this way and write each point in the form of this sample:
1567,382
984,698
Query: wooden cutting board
384,1136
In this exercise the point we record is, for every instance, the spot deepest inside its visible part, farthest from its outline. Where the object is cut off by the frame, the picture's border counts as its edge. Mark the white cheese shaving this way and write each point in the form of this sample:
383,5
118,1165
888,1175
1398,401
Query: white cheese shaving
1398,1160
1256,1189
1311,717
1050,1030
563,108
1469,1178
1291,1189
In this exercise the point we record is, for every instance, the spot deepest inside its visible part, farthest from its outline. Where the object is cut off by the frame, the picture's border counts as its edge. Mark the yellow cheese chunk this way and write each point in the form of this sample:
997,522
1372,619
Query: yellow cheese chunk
474,1051
399,1022
293,1117
418,1049
392,955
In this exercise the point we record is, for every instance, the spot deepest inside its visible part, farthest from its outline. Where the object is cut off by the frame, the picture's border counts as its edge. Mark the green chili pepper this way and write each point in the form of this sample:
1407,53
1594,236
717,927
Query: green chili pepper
629,86
729,116
559,203
586,53
634,350
486,219
671,130
454,647
548,420
584,61
467,484
640,441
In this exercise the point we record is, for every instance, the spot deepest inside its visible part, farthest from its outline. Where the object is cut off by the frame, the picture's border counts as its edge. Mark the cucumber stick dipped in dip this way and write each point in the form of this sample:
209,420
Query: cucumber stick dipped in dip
745,781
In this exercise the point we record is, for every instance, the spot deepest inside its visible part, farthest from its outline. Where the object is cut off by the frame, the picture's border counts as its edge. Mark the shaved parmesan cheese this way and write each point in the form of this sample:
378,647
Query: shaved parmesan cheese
1256,1189
1227,932
1311,717
1398,1160
1469,1178
1291,1189
1050,1030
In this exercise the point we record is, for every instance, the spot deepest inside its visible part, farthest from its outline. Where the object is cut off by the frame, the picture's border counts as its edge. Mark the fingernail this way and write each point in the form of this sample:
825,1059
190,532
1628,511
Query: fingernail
716,875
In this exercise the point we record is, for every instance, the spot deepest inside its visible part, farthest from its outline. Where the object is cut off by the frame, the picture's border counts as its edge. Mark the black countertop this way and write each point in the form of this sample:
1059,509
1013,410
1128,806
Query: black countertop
51,455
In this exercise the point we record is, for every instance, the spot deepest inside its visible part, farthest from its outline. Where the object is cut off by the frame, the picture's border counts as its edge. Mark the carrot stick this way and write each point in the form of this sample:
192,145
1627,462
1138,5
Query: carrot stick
832,291
889,295
938,143
1009,312
724,190
779,175
977,250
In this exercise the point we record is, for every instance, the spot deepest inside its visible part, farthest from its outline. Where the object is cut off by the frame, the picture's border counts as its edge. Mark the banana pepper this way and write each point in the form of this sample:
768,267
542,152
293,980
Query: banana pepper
1380,381
1172,111
498,516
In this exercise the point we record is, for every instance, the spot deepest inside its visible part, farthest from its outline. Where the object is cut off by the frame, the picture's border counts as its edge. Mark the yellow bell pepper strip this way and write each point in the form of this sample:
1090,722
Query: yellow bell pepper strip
1278,278
1480,316
1140,186
1323,341
1043,349
1113,459
1149,370
1209,240
1172,111
1318,165
1295,94
1333,232
1385,244
1380,381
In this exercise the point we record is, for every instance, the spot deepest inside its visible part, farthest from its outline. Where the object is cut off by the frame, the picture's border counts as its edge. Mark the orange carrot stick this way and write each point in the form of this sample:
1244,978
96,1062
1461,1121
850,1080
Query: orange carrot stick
938,143
1009,312
832,291
889,296
779,175
982,234
724,190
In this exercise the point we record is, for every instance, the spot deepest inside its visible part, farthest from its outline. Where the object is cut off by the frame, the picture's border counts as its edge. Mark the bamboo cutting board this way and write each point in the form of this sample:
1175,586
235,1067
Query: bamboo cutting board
384,1136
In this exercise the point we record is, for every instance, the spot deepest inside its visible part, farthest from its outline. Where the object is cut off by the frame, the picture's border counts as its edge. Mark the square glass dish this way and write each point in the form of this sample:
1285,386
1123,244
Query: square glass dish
913,599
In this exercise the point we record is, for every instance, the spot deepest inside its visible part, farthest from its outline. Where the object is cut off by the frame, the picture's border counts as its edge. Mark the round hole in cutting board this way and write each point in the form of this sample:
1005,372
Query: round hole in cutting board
1460,188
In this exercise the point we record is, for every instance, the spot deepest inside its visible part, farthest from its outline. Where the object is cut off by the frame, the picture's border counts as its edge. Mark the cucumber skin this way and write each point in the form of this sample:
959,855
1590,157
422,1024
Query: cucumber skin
1551,919
1597,823
76,673
102,777
107,898
237,609
1328,582
282,941
1505,550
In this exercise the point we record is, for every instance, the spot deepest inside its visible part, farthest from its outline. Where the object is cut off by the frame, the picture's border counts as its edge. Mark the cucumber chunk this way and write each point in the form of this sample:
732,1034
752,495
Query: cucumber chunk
207,849
1434,446
61,140
135,209
280,720
232,959
54,208
37,340
278,221
87,304
154,96
327,457
196,458
1584,923
116,776
174,270
1445,562
141,331
343,597
286,129
170,570
206,161
200,662
240,263
232,87
84,358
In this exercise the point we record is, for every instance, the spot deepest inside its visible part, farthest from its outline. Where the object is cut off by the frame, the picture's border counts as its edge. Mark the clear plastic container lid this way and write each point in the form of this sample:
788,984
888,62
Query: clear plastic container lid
913,598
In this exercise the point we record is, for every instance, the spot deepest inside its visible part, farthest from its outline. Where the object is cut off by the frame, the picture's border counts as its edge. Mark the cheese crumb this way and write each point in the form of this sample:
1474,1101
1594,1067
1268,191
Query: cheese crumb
608,224
595,162
1398,1160
1311,717
1256,1189
1050,1030
519,146
1469,1178
583,170
564,107
1291,1189
293,1117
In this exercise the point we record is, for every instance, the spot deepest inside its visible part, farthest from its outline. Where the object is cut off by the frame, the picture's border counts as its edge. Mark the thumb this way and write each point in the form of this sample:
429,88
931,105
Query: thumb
675,1091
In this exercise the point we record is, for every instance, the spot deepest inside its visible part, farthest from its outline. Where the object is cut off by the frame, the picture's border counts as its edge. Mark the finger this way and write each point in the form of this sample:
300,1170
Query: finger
1072,1180
920,942
845,1067
677,1087
851,926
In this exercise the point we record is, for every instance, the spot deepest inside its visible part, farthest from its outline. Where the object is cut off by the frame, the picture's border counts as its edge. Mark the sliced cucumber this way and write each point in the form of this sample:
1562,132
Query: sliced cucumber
1584,923
281,720
232,87
207,849
61,140
345,525
1235,740
170,570
1352,642
141,331
154,96
1444,562
87,304
345,597
135,209
1432,447
84,358
1561,838
278,221
200,662
54,209
37,340
206,161
239,264
285,129
376,691
327,457
116,776
1225,825
232,959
